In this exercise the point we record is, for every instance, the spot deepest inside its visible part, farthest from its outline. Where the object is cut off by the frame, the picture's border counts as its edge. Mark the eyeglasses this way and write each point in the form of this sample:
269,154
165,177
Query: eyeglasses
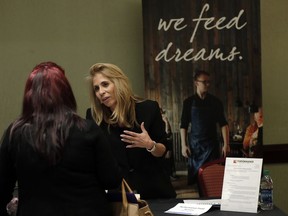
205,82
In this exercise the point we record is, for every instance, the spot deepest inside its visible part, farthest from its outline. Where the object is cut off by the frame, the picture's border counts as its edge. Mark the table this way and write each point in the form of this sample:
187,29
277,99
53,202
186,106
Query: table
158,207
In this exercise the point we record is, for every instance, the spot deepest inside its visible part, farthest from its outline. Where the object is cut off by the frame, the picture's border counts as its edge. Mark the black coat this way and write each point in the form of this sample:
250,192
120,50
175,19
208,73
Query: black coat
144,172
74,187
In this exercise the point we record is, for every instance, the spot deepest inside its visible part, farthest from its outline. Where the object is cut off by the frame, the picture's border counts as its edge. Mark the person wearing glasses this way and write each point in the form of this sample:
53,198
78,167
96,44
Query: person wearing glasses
201,113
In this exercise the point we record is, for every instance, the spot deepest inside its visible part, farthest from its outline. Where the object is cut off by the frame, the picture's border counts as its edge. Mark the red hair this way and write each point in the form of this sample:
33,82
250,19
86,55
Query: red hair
48,112
46,90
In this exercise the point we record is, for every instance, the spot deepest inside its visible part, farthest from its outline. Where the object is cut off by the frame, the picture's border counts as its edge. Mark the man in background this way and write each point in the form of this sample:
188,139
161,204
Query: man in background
202,112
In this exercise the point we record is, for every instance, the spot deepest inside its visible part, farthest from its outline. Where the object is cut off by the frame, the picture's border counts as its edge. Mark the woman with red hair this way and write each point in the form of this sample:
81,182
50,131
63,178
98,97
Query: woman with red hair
61,162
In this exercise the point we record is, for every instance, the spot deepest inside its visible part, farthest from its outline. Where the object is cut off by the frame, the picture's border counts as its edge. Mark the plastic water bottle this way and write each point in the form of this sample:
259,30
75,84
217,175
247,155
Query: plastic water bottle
266,191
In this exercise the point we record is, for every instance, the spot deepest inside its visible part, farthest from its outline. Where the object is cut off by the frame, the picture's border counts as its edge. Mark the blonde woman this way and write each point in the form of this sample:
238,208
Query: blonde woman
134,128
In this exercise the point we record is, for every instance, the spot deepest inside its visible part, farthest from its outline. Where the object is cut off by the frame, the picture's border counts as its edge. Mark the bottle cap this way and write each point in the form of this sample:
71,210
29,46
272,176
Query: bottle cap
266,172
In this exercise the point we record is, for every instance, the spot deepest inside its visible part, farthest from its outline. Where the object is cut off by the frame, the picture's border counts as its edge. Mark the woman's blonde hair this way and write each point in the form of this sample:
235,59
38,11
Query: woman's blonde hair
124,113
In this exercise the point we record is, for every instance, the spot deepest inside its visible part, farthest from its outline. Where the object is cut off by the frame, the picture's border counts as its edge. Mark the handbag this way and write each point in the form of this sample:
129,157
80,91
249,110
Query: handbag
125,203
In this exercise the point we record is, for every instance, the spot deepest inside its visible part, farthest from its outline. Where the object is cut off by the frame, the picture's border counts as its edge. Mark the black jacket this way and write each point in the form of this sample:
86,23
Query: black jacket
74,187
143,172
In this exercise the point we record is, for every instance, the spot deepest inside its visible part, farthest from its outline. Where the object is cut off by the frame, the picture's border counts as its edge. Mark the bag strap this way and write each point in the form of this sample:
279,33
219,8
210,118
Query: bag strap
124,198
124,186
127,186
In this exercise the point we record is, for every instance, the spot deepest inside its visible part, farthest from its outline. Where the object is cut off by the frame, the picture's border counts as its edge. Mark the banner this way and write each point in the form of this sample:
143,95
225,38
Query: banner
221,37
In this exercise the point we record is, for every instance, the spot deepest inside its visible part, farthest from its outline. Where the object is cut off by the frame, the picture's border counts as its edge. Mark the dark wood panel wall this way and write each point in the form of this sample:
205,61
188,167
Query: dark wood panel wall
180,36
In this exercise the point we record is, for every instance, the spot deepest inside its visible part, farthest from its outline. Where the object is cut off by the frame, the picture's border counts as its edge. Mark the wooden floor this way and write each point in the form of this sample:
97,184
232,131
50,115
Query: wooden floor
183,190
